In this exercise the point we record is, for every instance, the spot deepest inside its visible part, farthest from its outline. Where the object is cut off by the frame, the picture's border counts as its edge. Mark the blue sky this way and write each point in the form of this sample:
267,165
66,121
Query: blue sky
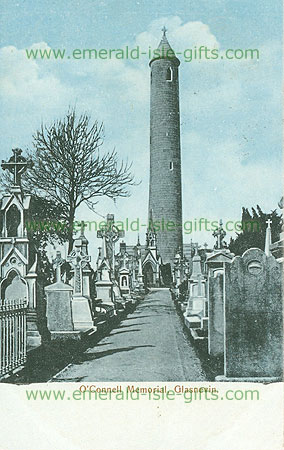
230,110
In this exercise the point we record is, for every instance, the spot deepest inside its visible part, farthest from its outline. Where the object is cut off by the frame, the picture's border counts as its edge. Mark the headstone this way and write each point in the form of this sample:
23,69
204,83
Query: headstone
253,318
196,298
216,315
59,311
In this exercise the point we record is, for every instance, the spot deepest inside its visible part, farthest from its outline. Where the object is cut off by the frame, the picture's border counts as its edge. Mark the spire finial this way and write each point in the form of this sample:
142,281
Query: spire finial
164,30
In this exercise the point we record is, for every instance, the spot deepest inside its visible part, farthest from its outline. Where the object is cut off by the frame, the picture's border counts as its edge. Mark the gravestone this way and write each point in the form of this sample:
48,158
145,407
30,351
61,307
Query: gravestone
216,315
253,318
59,306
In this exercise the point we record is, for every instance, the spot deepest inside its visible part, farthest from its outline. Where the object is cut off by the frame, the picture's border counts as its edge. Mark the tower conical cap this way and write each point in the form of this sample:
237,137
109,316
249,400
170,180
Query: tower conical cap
165,51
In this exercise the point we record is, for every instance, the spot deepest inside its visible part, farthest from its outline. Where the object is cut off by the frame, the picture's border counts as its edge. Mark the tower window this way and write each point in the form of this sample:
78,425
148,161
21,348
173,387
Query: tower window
169,74
171,165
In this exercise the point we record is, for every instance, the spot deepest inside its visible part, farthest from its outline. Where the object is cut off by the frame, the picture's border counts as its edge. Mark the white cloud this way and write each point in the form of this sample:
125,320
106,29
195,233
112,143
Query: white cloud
181,35
25,80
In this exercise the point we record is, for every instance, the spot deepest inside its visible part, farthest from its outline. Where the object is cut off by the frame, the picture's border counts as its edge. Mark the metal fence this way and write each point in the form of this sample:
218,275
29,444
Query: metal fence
13,334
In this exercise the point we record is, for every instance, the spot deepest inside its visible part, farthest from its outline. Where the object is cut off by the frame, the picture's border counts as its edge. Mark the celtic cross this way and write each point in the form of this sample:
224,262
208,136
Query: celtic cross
17,165
78,261
110,234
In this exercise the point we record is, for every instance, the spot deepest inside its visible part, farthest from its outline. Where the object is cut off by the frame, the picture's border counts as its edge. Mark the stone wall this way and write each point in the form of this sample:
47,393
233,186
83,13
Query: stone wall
165,198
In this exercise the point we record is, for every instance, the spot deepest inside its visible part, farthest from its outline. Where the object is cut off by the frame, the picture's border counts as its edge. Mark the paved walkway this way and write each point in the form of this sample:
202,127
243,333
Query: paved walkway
149,345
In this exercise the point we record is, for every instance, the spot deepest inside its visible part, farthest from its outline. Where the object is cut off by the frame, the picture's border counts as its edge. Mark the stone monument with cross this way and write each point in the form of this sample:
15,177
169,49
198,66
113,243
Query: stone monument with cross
81,305
196,308
110,234
220,233
83,242
215,263
107,287
16,263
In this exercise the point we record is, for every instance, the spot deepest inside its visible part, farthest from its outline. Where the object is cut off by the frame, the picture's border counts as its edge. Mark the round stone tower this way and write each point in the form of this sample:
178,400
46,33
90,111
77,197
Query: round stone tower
165,198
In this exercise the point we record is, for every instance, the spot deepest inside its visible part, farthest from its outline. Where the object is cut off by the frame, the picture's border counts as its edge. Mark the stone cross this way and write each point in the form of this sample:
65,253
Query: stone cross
78,261
220,233
269,222
57,262
17,165
110,234
164,30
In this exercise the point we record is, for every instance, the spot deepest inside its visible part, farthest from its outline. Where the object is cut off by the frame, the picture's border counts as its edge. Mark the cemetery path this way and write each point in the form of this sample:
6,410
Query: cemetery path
148,345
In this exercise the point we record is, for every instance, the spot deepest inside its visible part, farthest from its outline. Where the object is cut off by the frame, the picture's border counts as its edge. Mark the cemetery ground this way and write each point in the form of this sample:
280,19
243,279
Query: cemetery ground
148,344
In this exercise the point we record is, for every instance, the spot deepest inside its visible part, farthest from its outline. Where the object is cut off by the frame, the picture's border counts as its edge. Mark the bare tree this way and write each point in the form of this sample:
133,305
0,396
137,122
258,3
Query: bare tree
70,169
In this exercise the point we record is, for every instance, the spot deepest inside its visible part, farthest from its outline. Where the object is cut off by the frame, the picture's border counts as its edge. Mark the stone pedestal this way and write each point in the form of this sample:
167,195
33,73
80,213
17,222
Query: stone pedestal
196,301
117,297
104,290
81,312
